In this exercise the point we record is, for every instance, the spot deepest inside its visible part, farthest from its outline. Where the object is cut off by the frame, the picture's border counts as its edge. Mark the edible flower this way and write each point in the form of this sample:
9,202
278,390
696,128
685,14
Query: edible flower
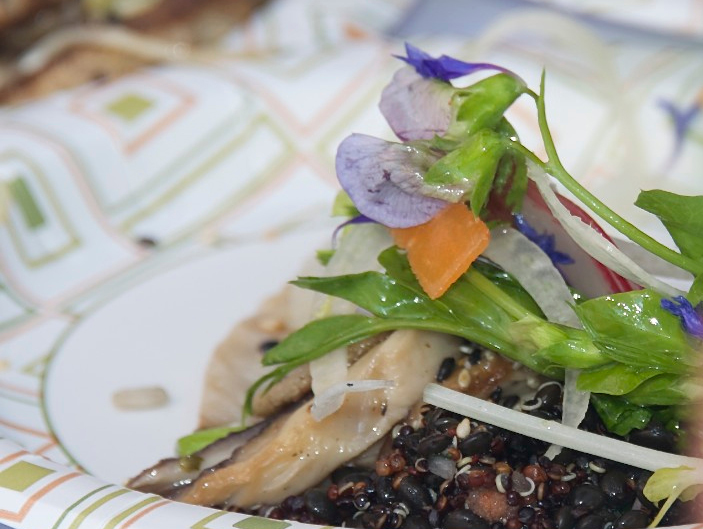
382,178
691,319
682,118
544,240
444,68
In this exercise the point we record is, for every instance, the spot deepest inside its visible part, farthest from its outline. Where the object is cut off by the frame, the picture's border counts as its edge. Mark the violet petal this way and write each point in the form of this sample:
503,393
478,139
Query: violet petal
359,219
380,178
444,68
690,318
546,241
416,108
682,118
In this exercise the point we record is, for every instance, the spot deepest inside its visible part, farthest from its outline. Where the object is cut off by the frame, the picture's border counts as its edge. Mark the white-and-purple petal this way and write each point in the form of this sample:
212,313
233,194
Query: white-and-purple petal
416,108
383,179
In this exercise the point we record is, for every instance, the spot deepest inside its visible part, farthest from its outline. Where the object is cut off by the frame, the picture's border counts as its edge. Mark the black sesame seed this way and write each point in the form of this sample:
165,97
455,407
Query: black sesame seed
414,494
433,444
632,520
590,521
526,515
268,344
415,521
564,518
464,519
614,486
587,497
446,368
475,443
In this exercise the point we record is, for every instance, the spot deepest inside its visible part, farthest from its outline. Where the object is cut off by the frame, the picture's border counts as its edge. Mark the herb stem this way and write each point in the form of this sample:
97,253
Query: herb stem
497,295
555,168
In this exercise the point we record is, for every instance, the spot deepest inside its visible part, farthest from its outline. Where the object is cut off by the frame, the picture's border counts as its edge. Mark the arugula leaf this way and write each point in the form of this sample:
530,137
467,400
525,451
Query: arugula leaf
189,444
681,215
322,336
619,415
632,328
377,293
614,378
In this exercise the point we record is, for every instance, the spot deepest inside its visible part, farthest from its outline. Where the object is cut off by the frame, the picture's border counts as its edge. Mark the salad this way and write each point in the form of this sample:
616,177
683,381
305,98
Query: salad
481,352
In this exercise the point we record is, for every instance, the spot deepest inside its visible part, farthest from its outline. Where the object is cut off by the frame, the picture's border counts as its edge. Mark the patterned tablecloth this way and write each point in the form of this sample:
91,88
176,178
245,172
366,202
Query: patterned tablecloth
141,218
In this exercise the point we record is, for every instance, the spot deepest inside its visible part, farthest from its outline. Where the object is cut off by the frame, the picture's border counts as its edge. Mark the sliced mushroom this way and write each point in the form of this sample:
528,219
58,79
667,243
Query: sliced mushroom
298,452
168,475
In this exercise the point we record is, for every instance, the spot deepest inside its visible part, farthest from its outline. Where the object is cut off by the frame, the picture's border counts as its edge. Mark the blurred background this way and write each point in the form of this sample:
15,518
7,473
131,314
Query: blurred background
140,137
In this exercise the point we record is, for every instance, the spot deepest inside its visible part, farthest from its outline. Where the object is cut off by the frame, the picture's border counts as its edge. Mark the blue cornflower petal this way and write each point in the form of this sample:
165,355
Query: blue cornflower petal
682,118
545,241
690,318
444,68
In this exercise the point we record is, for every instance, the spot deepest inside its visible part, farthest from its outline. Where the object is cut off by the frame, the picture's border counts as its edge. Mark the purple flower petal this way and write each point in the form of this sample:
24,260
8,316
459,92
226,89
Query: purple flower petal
380,177
546,241
359,219
416,108
683,118
690,318
444,68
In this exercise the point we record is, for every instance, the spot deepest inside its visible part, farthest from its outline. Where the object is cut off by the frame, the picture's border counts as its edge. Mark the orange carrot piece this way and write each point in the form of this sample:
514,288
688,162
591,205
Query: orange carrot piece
442,249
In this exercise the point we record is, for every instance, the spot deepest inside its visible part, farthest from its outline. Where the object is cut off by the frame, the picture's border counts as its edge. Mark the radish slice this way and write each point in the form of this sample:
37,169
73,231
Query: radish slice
534,270
359,245
586,275
593,242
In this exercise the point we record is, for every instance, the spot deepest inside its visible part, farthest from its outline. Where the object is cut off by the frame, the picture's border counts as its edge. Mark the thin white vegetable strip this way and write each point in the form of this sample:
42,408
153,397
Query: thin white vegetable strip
556,433
326,400
535,271
359,245
592,242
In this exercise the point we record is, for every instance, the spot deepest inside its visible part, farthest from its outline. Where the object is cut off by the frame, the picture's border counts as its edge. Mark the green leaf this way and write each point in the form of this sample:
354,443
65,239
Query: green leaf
324,256
681,215
614,378
662,390
343,206
507,284
511,174
632,328
468,171
483,104
322,336
619,415
189,444
672,483
377,293
574,354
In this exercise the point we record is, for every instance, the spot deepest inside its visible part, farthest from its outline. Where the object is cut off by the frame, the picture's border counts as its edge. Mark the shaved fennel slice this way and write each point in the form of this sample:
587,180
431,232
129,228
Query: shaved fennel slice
593,243
325,403
556,433
535,271
358,249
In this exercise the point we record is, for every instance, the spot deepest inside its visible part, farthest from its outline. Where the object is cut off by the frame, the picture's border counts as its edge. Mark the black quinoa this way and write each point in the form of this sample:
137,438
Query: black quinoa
499,480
